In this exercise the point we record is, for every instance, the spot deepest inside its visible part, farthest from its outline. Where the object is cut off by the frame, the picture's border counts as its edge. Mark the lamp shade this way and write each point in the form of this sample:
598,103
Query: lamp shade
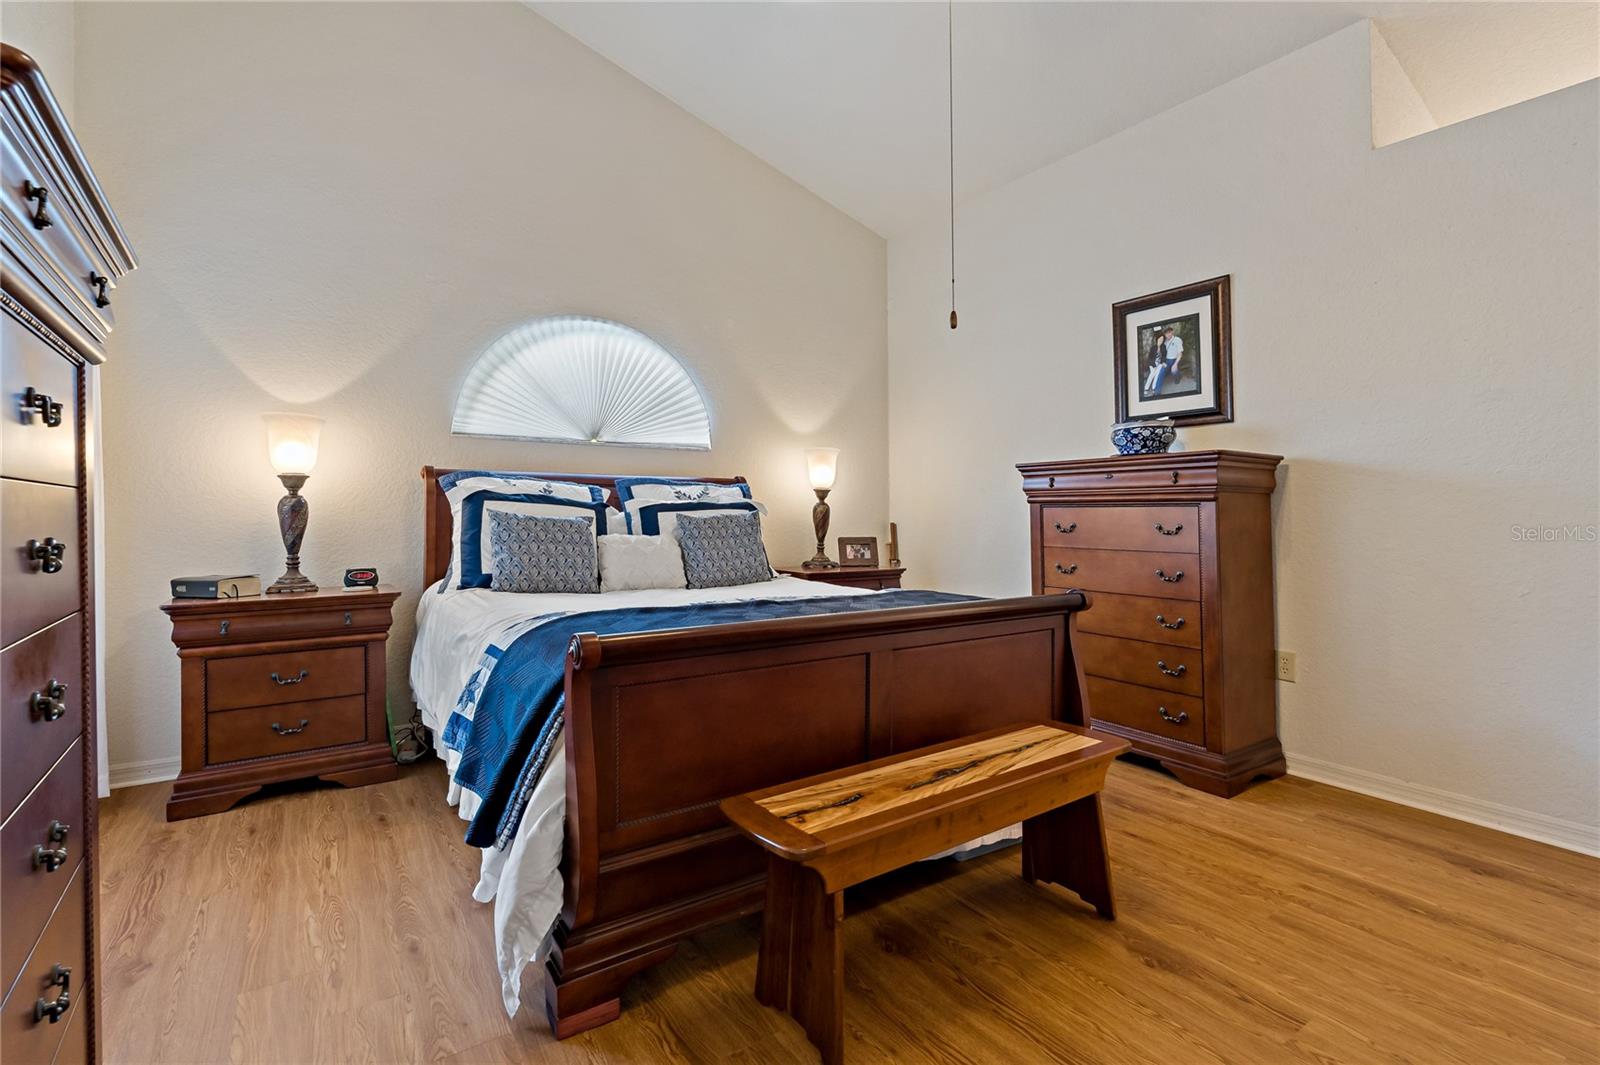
292,441
822,465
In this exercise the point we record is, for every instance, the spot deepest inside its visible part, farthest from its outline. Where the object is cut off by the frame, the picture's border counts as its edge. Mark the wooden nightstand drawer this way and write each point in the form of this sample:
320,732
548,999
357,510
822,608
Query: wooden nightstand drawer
264,731
267,618
289,677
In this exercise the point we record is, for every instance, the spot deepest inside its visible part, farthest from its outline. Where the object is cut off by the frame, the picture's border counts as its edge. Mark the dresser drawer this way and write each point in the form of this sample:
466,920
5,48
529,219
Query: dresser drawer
1123,528
289,677
30,446
223,628
25,1038
31,891
1177,717
1154,665
31,736
1147,573
264,731
1140,617
74,1048
33,597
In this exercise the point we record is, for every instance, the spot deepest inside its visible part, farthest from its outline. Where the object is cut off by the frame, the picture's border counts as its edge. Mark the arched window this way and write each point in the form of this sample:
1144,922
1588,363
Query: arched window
582,380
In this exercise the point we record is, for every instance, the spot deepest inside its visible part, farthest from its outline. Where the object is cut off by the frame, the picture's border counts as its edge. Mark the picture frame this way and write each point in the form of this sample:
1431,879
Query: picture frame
858,551
1193,385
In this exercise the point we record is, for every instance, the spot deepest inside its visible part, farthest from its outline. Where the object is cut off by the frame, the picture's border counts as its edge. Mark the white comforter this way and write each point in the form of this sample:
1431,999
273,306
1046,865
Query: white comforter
524,880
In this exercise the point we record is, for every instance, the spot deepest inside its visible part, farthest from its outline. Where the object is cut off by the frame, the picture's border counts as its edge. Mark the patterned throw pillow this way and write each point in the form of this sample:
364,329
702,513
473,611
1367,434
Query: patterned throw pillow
533,553
723,549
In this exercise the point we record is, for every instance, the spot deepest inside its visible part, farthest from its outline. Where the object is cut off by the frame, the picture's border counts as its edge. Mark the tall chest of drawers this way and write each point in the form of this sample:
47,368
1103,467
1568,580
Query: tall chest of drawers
62,252
1175,552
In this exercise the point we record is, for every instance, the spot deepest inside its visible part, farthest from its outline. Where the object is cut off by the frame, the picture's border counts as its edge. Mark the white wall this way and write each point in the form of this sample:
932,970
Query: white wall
338,205
44,29
1415,329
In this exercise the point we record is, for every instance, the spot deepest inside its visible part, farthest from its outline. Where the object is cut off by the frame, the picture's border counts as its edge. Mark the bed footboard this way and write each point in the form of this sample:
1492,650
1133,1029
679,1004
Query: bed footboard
662,726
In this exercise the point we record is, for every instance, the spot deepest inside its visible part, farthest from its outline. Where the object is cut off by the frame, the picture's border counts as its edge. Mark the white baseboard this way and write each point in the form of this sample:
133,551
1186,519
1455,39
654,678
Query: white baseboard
128,774
1556,831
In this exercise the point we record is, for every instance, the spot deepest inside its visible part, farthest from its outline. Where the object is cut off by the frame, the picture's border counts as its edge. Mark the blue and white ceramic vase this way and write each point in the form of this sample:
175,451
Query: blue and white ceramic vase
1143,438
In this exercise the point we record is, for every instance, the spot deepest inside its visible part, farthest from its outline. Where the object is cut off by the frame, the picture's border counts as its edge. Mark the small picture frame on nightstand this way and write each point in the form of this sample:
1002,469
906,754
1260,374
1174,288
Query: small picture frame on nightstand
858,551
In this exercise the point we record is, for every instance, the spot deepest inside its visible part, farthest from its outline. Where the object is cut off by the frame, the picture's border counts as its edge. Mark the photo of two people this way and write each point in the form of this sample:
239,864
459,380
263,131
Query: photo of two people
1168,358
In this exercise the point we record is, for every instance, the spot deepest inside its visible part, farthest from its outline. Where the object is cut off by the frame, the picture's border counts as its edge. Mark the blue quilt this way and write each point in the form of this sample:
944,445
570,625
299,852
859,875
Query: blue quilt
507,721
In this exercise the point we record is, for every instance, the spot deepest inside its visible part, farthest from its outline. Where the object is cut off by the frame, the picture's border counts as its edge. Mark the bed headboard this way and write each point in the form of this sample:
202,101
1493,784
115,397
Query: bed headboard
436,511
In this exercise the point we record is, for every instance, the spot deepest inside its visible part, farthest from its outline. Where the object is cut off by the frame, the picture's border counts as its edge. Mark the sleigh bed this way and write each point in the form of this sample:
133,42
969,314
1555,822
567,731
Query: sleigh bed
661,725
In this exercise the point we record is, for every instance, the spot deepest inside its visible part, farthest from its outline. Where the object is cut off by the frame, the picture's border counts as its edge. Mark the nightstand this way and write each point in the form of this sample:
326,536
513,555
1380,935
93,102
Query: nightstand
280,687
849,576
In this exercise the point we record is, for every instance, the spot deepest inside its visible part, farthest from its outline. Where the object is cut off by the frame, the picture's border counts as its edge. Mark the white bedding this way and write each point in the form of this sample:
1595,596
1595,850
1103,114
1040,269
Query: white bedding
524,880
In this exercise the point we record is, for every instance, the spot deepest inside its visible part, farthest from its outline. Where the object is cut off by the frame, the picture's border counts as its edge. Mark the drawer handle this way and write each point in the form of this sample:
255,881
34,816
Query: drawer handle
1180,671
52,858
1174,579
45,405
49,702
1183,715
222,630
304,673
48,553
60,976
280,730
1164,531
99,283
1069,527
1068,570
1165,624
41,220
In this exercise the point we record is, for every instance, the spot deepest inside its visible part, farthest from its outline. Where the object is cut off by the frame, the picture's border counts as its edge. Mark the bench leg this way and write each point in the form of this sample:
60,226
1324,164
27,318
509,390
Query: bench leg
1067,846
801,967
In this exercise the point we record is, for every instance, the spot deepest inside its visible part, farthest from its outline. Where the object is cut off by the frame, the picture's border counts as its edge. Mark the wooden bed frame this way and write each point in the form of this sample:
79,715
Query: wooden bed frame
662,726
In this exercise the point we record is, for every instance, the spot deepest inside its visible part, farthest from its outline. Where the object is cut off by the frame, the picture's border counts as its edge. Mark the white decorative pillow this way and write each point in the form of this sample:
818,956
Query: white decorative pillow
631,563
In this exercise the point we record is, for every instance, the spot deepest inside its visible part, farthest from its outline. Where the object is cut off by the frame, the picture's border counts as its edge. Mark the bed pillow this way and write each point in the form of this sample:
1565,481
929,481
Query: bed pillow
720,550
648,518
678,489
633,563
476,558
539,553
462,484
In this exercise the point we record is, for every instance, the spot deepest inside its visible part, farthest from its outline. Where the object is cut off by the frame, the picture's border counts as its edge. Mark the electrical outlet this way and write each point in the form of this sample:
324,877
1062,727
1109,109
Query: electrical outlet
1286,666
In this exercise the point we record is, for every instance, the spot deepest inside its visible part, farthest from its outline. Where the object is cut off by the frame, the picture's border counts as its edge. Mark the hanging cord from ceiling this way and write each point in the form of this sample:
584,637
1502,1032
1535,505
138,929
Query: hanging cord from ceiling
950,83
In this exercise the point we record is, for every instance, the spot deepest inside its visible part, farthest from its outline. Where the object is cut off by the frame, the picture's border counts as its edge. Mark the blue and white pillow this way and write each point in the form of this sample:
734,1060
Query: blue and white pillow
678,490
477,565
721,550
538,553
466,523
649,518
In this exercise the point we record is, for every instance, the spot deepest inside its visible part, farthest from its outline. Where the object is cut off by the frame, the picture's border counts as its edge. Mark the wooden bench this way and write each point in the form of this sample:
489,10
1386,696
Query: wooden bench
830,831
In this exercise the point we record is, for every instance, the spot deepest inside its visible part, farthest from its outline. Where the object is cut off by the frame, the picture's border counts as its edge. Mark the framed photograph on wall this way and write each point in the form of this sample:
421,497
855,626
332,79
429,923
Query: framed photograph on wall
1174,354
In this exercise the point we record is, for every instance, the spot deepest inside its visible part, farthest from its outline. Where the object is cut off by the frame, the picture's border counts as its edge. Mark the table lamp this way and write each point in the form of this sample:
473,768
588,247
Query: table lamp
292,449
822,464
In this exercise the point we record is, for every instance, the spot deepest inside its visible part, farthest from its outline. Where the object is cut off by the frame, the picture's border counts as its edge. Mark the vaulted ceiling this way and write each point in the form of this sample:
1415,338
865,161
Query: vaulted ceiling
849,99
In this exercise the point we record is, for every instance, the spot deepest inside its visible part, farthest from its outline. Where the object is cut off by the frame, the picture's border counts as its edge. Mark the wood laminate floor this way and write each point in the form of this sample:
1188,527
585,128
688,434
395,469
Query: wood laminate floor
1295,923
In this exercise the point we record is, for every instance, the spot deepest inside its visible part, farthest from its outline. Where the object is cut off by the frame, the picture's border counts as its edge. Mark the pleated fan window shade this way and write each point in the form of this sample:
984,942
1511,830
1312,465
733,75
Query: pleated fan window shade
570,379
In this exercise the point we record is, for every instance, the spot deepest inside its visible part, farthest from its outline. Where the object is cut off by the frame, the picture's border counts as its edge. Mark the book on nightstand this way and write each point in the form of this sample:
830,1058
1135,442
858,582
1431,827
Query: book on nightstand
216,586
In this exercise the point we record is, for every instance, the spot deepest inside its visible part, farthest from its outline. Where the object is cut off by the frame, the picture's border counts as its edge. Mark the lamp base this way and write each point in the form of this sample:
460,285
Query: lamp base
291,584
819,524
822,562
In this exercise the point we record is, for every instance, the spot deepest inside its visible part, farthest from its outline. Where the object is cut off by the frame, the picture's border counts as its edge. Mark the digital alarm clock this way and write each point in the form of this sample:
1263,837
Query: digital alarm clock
366,577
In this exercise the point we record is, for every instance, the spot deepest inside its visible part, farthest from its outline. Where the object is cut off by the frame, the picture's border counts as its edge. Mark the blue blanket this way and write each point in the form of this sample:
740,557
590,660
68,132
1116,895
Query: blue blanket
508,718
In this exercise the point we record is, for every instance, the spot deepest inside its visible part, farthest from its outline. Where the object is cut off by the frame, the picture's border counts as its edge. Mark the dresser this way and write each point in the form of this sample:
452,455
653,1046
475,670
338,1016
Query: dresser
63,252
1175,551
280,687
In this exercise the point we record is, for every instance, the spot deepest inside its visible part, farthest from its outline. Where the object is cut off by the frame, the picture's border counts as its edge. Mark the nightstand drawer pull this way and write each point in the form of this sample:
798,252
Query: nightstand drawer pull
280,730
1183,716
1069,527
1174,579
60,976
1164,531
43,405
304,673
48,553
1068,570
1180,671
49,702
1161,619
